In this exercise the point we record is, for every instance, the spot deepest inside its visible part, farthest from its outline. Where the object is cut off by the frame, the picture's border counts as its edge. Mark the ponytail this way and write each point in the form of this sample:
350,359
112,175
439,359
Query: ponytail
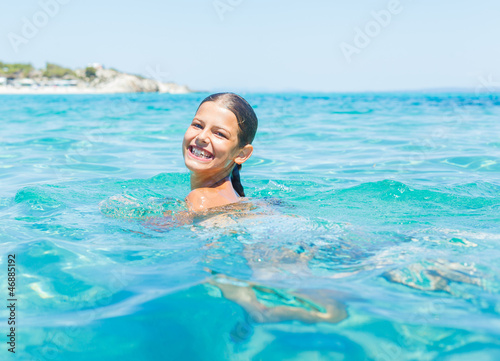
235,180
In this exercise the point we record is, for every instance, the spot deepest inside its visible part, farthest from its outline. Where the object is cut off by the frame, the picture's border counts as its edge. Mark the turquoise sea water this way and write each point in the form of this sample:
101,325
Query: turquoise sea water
379,210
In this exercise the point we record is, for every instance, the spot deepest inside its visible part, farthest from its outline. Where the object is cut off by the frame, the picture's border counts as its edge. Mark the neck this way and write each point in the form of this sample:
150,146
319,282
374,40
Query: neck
198,181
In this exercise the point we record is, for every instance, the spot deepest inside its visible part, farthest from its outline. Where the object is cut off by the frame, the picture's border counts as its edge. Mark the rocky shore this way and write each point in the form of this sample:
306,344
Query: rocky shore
104,81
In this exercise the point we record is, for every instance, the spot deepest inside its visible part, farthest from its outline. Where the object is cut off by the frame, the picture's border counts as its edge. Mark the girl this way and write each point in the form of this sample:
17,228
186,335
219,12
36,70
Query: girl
215,146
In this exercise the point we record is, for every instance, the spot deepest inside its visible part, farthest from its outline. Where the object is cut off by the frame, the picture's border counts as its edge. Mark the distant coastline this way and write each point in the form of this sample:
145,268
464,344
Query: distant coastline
94,79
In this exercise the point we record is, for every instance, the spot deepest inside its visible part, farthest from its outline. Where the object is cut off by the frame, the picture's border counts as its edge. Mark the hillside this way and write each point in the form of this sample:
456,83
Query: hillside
24,78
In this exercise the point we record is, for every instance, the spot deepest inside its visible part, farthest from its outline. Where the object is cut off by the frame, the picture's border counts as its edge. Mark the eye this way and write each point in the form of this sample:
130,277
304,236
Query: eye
196,125
220,134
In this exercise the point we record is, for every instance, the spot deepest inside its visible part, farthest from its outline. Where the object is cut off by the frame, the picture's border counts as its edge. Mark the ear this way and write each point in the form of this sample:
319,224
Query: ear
244,154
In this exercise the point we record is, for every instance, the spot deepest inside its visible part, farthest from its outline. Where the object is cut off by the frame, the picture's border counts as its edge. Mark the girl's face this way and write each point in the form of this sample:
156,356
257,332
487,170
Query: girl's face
211,142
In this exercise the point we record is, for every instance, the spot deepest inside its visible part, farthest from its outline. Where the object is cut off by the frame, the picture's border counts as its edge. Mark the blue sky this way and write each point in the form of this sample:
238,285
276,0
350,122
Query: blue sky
273,45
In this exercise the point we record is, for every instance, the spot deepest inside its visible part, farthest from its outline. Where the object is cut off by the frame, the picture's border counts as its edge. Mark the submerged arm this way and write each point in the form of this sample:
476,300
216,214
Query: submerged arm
170,220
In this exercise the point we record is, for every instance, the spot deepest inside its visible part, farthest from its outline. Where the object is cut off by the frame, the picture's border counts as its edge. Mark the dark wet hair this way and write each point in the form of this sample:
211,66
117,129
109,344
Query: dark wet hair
247,124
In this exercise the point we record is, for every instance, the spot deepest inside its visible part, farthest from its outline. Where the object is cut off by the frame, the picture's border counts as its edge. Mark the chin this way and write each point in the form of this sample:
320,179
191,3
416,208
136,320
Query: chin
193,165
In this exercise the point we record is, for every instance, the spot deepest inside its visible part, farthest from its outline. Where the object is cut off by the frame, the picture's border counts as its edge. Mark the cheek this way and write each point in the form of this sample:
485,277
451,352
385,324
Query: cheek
185,143
227,151
220,147
187,137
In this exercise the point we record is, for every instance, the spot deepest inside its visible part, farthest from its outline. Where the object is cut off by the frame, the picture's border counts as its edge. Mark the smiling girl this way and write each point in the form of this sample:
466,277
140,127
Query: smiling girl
215,146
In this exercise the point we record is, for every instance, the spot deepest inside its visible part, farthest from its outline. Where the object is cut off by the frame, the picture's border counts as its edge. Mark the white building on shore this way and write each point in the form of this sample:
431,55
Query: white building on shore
31,83
63,82
96,66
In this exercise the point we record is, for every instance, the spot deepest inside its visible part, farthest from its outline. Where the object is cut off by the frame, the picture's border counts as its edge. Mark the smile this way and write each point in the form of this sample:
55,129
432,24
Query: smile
200,153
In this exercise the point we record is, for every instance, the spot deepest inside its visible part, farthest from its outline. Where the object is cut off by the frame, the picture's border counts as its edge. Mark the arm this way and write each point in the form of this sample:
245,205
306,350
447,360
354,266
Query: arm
169,221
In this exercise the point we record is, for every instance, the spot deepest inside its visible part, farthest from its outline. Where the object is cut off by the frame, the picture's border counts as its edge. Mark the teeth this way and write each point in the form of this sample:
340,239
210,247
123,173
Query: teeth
200,153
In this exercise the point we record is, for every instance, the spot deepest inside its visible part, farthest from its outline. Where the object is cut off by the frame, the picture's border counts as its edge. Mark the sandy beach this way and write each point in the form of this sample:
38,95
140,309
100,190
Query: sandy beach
50,90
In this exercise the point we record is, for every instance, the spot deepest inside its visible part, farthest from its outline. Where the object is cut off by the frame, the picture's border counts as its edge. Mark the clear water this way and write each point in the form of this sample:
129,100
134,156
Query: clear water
382,209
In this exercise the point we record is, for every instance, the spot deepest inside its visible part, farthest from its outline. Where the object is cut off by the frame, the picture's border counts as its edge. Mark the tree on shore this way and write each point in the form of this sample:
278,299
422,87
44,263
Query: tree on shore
17,70
57,71
90,72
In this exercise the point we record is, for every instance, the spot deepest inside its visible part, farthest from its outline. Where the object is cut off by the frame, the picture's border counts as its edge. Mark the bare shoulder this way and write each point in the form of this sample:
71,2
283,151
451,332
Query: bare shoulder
203,198
196,199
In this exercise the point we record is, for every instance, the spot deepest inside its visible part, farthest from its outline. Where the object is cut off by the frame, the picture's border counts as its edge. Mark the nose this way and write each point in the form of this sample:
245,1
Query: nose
202,136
